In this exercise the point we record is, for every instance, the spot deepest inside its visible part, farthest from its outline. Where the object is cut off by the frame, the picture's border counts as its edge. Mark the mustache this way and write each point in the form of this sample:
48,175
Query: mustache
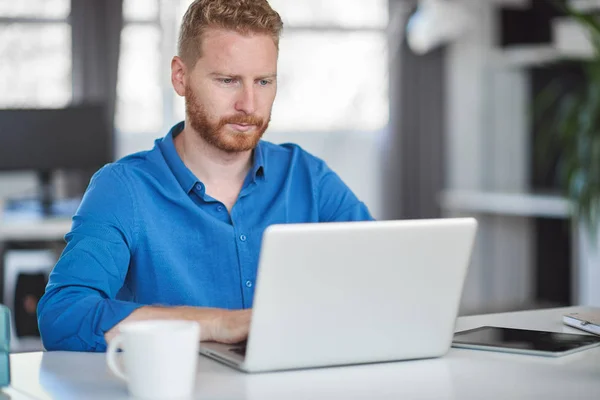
241,120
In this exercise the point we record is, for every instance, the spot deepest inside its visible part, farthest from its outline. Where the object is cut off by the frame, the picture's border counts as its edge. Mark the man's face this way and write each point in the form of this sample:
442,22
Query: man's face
229,93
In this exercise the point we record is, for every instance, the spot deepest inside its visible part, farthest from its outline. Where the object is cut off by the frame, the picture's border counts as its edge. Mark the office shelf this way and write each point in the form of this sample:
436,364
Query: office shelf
508,204
570,42
524,56
585,5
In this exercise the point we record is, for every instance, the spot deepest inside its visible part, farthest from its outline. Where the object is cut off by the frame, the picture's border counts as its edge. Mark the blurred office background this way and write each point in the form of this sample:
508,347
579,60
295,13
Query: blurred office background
436,124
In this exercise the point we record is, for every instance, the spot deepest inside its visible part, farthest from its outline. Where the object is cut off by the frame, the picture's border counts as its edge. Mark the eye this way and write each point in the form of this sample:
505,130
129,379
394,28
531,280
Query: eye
227,81
264,82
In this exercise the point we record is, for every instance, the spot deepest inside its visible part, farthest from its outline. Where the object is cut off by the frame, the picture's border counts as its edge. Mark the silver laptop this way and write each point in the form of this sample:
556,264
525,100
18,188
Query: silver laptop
353,292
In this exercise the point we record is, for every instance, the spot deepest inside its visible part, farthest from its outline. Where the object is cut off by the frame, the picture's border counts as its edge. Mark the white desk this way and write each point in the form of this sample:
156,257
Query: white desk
49,229
27,233
12,394
461,374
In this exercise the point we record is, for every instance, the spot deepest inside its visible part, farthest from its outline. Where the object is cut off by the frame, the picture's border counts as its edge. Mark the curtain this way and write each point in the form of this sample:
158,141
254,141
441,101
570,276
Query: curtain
413,157
96,33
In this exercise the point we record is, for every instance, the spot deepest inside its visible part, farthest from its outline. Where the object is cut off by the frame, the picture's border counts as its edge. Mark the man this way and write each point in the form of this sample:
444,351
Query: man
174,232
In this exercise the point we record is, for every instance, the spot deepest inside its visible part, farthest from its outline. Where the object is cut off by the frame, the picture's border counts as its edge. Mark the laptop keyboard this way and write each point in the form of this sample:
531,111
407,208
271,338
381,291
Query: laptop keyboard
239,350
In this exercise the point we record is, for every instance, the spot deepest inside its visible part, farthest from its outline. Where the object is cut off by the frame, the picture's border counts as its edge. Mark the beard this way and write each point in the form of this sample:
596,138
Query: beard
217,134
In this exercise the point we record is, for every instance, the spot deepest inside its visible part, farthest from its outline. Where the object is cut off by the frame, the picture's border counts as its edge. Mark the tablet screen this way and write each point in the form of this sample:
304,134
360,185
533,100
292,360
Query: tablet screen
509,338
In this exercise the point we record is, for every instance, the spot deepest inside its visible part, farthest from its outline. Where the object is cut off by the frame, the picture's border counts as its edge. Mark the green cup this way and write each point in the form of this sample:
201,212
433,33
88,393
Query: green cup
4,346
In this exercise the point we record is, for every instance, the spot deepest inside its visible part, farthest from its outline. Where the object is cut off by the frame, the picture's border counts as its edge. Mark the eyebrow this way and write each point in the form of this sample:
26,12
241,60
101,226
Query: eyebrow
215,74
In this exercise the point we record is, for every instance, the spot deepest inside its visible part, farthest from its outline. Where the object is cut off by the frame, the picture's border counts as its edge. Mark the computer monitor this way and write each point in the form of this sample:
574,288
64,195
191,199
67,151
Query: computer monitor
74,138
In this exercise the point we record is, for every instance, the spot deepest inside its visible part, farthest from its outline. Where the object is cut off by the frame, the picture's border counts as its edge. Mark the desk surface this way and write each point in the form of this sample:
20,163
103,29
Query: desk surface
10,393
461,374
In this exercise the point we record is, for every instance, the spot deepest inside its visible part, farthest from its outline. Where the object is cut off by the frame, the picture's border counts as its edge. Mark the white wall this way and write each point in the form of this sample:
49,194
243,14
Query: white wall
487,143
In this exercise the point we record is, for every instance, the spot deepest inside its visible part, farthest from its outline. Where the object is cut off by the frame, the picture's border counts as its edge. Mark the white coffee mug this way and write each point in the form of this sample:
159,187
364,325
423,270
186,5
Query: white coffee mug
160,357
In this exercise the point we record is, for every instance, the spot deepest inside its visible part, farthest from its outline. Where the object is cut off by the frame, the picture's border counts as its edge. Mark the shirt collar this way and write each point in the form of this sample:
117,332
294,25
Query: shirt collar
259,162
184,176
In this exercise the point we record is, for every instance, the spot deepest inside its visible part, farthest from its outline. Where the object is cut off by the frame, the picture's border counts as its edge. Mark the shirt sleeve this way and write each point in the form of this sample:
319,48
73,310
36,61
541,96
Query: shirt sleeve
79,304
337,203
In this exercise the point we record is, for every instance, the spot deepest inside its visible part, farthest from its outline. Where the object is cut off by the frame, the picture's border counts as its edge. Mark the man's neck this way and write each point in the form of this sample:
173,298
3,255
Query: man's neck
210,165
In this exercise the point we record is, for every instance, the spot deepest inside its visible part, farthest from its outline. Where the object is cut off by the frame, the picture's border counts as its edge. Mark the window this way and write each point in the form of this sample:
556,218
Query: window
352,14
333,68
331,81
57,9
35,49
139,107
139,96
333,52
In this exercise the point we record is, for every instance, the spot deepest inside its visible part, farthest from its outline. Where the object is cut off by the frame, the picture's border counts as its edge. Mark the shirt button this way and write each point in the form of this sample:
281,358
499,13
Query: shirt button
220,208
248,283
199,187
243,238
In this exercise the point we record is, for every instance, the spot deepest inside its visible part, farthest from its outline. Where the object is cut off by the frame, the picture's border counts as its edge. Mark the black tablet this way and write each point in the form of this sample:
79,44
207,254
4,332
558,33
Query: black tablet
523,341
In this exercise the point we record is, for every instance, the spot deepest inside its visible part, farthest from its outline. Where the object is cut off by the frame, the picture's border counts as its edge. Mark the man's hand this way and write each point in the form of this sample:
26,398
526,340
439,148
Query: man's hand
231,326
218,325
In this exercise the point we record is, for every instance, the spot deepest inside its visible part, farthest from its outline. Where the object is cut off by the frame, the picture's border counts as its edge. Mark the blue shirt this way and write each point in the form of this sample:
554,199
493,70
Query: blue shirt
147,233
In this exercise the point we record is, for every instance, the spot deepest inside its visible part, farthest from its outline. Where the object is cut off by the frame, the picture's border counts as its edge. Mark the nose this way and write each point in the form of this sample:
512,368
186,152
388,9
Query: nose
245,101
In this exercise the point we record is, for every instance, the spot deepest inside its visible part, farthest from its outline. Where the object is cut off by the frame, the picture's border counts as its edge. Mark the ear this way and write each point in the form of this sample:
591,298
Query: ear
178,73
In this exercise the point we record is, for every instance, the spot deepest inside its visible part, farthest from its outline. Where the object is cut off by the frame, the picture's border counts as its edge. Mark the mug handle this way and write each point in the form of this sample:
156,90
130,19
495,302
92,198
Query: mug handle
111,357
